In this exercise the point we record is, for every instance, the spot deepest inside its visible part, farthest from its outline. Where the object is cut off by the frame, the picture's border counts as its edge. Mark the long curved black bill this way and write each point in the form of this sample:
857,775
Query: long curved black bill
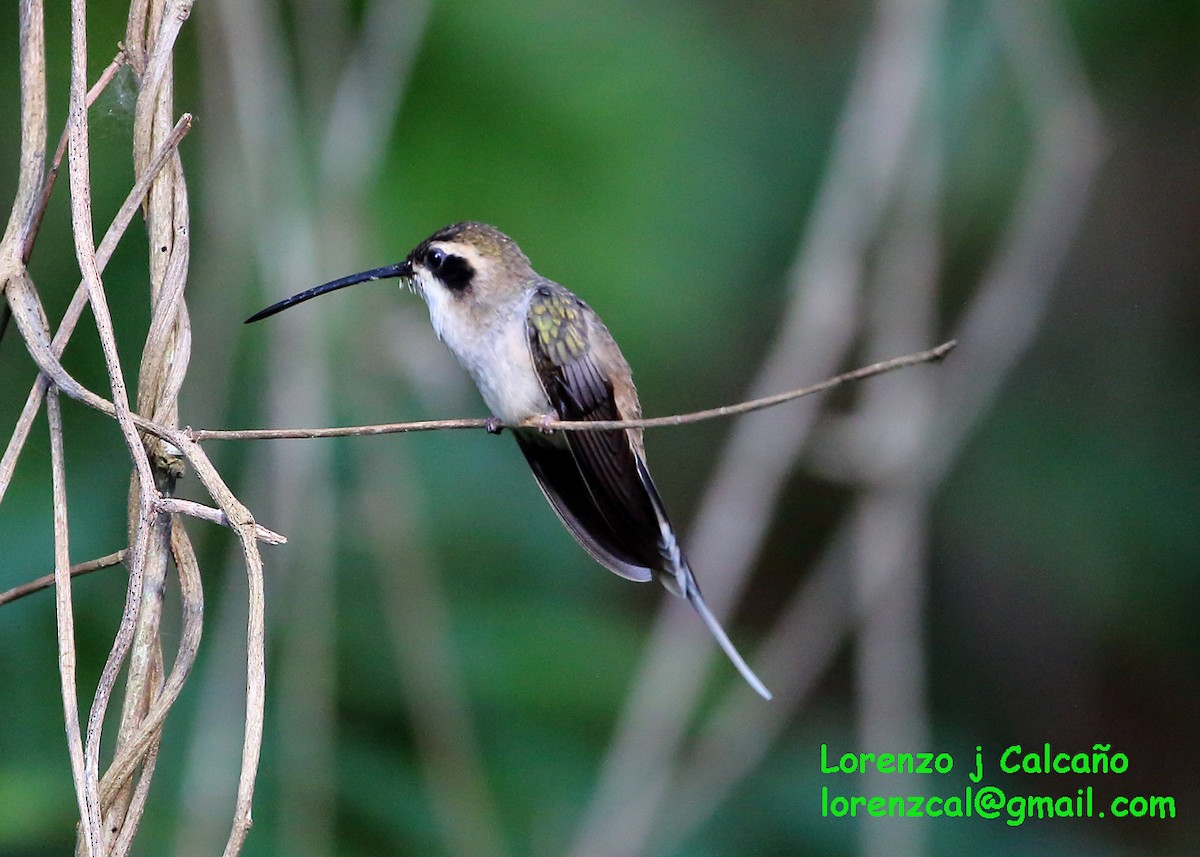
400,269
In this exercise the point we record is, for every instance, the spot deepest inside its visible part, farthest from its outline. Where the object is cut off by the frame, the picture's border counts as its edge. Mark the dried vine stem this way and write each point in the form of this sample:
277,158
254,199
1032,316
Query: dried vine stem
45,582
153,27
91,841
178,437
169,505
930,356
105,78
176,506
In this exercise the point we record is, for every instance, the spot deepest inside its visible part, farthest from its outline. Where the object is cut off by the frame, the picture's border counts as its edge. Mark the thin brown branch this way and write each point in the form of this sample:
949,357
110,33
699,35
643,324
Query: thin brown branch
170,505
157,68
206,513
164,364
930,356
46,581
143,685
91,838
124,841
23,217
191,436
79,173
105,78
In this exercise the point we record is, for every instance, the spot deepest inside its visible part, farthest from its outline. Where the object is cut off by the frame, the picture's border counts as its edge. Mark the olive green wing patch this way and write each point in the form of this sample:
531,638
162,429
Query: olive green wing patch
562,357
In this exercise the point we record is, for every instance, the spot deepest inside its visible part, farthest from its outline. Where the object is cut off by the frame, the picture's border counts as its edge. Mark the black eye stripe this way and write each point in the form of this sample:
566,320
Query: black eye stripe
455,272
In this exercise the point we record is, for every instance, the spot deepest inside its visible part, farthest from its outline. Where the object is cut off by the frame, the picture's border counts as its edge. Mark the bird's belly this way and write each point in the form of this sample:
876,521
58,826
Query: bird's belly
512,393
501,368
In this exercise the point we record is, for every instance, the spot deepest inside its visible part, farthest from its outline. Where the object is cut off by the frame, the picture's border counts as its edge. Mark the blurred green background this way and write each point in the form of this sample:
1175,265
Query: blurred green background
446,668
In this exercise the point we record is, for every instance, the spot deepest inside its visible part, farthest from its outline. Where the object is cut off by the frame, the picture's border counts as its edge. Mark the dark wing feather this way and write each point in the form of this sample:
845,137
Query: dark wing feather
594,479
554,466
597,480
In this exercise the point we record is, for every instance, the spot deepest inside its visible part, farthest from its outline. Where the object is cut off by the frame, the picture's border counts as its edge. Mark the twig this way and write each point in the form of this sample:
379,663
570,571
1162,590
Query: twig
24,216
102,82
171,505
932,355
85,249
86,794
163,366
175,505
46,581
124,841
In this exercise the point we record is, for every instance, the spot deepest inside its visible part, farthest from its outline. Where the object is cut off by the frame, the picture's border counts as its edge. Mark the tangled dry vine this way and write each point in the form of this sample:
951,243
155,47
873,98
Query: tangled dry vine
111,805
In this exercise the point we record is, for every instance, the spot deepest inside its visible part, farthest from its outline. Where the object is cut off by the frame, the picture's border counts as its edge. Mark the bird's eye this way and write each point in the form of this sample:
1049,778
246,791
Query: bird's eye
434,258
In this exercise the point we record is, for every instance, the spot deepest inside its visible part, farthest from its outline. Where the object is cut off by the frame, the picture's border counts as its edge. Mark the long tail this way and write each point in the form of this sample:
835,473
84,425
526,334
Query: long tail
692,593
678,579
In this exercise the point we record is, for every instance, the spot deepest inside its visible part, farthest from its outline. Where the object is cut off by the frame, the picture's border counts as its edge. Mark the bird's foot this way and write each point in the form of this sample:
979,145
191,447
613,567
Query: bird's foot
543,424
493,424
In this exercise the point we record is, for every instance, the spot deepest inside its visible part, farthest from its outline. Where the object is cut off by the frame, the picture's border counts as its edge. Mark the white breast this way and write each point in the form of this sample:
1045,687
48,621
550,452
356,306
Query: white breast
496,356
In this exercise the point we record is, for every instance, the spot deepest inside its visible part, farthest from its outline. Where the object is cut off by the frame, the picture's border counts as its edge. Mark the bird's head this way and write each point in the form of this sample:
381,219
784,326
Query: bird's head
468,269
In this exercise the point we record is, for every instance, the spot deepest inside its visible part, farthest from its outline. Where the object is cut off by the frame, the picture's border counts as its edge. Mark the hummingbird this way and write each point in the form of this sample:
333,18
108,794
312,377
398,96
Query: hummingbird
537,352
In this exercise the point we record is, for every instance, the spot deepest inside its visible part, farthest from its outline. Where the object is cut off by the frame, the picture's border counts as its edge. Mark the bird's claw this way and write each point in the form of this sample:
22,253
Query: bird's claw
493,424
543,424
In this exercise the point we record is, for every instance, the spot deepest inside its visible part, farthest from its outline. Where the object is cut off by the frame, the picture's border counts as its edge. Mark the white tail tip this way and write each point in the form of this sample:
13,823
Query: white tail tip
697,601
